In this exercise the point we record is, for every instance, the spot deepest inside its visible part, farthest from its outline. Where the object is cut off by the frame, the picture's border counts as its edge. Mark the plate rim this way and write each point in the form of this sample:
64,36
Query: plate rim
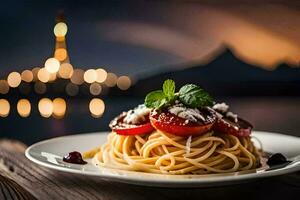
161,182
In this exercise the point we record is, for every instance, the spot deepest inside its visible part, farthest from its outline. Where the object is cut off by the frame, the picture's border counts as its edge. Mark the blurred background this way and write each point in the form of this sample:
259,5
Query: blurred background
69,67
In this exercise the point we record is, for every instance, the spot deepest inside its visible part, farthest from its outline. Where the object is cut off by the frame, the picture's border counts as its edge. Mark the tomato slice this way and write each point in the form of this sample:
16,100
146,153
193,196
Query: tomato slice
120,127
241,128
171,123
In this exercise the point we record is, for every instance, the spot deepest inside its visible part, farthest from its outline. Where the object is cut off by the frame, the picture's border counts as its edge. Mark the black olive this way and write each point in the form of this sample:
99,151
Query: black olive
276,159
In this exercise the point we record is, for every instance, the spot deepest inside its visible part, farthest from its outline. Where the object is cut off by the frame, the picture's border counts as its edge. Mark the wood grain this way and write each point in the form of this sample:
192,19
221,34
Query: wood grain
21,179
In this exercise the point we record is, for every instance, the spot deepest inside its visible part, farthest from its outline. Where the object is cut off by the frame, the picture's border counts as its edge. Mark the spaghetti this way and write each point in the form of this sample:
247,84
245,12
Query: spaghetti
165,153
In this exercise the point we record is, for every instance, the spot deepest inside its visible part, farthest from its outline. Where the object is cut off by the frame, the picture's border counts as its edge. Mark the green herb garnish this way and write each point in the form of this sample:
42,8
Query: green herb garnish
191,95
194,96
160,98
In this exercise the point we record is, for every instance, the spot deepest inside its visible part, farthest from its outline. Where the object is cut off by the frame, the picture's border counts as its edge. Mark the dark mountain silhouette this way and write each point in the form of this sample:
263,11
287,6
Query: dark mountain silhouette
227,75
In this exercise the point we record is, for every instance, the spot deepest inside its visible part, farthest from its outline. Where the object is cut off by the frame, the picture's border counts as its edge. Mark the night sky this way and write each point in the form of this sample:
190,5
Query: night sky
27,36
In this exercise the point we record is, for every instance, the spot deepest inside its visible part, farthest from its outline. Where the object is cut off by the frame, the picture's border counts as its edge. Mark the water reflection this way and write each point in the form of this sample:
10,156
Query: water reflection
24,107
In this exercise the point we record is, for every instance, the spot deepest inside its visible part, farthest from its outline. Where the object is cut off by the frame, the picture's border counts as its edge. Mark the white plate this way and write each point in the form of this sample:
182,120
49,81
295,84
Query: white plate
49,154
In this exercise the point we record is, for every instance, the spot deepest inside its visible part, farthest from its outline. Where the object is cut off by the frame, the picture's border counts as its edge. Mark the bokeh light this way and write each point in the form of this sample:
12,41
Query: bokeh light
27,76
72,89
52,65
60,54
59,108
97,107
65,70
77,76
24,107
123,82
90,76
43,75
35,72
4,87
40,88
95,89
14,79
101,75
45,107
4,108
52,77
60,29
111,80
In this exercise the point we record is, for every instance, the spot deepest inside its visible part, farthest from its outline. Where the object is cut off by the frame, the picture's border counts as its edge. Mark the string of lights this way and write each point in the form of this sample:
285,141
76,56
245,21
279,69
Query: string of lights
56,69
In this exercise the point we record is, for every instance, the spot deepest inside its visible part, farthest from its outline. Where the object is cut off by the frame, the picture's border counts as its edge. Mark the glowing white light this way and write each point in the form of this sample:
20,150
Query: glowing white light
43,75
45,107
97,107
101,75
14,79
52,65
60,29
90,76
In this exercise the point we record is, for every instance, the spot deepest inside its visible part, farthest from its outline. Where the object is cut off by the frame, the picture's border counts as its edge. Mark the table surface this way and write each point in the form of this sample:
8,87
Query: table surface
22,179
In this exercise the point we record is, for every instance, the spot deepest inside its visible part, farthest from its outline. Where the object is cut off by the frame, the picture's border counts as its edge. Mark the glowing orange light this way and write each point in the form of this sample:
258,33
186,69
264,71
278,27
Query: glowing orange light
123,82
4,108
14,79
27,76
60,39
43,75
90,76
52,65
95,88
4,87
45,107
60,54
24,107
111,79
77,76
60,29
97,107
65,70
35,72
52,76
101,75
59,107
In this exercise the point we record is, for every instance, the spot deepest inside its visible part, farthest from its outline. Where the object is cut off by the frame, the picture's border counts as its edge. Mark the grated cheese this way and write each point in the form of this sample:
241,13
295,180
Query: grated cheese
221,107
191,114
137,115
233,116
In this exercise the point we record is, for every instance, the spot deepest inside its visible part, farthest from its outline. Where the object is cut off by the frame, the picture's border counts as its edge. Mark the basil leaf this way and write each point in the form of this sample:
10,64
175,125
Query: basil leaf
155,99
169,89
194,96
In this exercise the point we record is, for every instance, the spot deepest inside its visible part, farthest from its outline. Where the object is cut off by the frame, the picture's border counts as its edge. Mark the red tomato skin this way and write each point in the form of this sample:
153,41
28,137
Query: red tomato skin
224,126
117,125
138,130
172,124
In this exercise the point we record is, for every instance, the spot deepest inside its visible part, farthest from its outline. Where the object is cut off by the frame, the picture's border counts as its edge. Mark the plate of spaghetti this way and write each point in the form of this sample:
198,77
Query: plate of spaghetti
174,139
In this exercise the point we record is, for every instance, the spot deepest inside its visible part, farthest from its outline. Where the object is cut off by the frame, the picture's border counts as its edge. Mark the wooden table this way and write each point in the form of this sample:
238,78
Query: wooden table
22,179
